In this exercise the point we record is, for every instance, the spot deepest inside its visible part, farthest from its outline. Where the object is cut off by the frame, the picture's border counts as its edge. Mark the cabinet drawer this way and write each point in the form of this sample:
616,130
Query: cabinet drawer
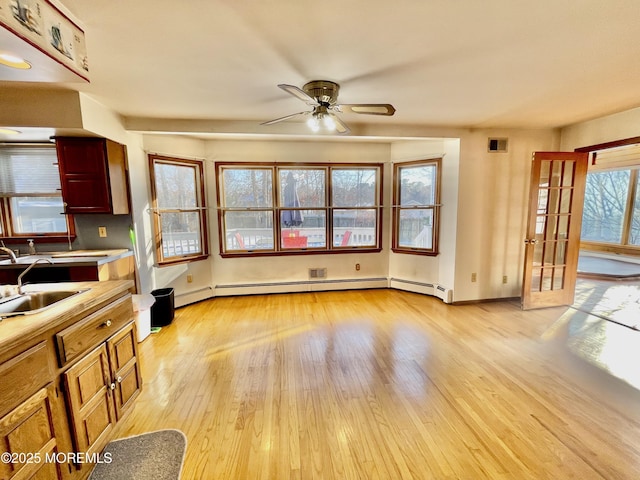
23,375
94,329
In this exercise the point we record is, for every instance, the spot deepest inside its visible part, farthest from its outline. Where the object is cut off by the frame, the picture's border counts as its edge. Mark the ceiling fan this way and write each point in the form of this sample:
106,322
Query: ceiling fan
322,95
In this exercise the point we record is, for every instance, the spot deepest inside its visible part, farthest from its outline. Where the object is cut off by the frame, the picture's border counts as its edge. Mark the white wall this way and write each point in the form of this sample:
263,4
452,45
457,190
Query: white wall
601,130
492,211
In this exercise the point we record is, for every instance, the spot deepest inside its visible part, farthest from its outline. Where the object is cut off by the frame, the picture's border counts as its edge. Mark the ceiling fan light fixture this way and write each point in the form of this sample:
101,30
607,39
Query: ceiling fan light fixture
322,95
313,123
328,122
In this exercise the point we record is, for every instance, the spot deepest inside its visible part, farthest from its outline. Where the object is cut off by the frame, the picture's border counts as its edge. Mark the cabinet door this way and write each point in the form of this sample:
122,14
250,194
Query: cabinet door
90,398
28,434
83,175
123,349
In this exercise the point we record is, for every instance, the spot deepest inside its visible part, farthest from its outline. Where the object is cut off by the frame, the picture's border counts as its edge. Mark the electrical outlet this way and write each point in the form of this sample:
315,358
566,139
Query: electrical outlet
189,278
504,279
357,267
102,232
474,277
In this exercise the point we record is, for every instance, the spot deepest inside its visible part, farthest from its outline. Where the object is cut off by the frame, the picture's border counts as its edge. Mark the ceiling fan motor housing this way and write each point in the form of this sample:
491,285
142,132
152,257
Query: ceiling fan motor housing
323,91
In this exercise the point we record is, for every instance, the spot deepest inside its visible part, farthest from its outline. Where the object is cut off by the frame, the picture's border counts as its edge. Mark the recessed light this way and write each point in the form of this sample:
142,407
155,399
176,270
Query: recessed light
9,131
14,62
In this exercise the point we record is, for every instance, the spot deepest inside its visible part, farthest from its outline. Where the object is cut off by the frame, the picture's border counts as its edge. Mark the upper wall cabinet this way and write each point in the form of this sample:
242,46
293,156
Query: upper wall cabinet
93,175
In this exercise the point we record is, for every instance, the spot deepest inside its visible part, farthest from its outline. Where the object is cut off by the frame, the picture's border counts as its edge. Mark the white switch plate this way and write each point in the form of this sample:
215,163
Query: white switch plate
102,231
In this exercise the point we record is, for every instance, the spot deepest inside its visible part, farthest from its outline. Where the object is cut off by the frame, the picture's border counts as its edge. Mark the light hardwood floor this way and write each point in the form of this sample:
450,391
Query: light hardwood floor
383,384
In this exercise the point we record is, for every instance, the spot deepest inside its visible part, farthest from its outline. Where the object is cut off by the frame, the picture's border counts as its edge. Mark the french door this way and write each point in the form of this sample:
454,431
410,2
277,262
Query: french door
552,244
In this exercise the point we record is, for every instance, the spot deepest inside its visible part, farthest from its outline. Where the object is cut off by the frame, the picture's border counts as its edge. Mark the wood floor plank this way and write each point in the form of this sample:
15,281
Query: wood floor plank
385,384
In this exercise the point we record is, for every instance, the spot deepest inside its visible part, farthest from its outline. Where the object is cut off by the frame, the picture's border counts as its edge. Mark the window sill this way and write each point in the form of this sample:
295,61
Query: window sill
180,260
337,250
416,251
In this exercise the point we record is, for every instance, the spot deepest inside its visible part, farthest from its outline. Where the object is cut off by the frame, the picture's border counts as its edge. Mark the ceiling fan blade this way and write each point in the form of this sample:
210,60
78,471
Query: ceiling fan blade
298,93
287,117
339,124
367,108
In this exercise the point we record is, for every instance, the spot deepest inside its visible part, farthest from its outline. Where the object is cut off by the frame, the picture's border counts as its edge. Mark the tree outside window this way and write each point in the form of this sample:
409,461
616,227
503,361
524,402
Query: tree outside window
612,208
298,208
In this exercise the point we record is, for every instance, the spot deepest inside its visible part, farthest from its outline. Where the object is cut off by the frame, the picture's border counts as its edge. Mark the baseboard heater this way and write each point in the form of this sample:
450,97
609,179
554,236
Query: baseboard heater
300,286
185,298
443,293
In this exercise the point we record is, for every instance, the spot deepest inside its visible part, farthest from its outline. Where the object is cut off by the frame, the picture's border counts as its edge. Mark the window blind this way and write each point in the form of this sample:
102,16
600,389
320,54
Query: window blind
29,171
618,158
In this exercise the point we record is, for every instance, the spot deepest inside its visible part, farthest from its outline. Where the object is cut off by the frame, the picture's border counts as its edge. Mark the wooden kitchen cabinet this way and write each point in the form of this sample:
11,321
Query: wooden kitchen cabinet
66,382
90,401
27,434
101,388
125,369
93,175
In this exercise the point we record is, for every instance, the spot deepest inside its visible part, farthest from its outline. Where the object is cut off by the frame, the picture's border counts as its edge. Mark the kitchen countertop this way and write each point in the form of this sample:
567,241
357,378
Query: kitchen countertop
13,330
74,258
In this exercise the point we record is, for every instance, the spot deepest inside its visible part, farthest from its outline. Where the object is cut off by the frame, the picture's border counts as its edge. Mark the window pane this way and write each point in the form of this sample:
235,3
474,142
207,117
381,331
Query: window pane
354,187
302,187
175,186
634,233
37,215
604,206
417,185
311,233
247,187
416,228
248,230
180,234
354,227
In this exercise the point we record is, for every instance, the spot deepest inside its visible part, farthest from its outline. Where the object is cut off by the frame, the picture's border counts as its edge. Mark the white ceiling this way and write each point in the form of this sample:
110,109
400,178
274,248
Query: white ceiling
450,63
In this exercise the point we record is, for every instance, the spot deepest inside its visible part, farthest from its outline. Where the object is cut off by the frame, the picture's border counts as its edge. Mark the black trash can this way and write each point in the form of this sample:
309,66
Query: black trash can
163,310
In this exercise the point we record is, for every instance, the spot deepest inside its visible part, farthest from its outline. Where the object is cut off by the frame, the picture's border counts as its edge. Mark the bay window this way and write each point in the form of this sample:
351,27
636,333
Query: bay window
296,208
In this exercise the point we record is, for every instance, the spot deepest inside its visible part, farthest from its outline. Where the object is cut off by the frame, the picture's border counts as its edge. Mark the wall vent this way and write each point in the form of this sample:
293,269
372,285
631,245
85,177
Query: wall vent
498,145
317,273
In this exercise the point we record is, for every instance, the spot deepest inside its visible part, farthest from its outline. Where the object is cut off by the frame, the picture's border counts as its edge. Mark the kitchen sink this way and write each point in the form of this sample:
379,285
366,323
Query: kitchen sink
33,302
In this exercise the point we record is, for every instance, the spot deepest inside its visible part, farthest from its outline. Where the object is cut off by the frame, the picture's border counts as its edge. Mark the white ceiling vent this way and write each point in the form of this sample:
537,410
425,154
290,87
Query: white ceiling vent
498,145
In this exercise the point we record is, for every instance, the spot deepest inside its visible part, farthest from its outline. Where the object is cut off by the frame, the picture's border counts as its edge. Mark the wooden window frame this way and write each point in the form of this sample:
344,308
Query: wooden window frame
200,209
277,248
7,233
624,247
397,208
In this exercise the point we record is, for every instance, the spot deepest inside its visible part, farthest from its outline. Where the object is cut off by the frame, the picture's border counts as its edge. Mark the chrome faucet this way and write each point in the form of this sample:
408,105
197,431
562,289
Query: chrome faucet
9,252
21,276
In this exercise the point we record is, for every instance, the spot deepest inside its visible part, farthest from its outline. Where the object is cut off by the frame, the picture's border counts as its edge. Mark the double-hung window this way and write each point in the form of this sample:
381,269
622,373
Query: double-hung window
31,202
296,208
611,214
179,209
416,207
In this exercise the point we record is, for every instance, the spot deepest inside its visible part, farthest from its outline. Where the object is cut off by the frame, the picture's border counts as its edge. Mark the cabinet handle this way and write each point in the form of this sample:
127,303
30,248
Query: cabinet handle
119,380
112,386
106,324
